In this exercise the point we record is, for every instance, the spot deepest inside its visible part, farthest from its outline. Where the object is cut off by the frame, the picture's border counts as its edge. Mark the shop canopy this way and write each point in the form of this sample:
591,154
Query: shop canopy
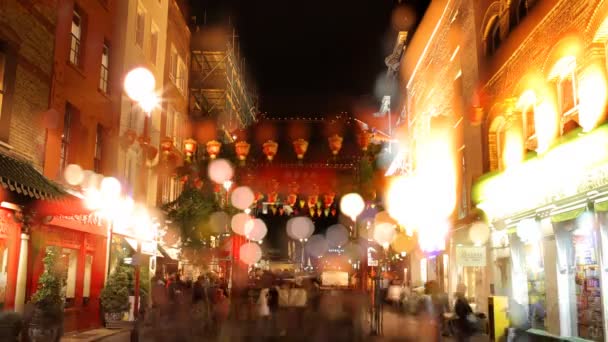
25,184
576,166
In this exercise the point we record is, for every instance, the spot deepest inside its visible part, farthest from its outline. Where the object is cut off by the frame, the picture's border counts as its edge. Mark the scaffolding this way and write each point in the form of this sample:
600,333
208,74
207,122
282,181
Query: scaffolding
218,86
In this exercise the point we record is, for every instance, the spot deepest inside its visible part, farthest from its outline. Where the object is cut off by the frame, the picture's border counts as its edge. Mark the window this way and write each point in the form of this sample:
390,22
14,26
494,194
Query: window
105,63
170,121
182,76
530,128
68,261
493,37
154,45
86,286
98,149
178,131
76,38
140,26
65,136
563,75
173,70
2,79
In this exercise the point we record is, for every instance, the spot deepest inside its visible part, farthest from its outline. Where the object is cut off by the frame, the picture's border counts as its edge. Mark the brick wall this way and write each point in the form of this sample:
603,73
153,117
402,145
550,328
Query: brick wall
531,48
31,29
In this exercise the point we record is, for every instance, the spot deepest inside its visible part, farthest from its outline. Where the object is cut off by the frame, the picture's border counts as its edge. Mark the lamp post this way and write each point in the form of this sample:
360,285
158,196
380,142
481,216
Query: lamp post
139,84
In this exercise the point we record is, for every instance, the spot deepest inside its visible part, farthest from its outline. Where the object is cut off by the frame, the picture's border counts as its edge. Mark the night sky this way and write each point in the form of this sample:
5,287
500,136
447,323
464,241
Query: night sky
314,57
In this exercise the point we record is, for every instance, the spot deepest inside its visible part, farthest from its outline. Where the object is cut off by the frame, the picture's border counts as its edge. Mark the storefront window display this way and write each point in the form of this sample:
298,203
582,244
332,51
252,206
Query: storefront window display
578,246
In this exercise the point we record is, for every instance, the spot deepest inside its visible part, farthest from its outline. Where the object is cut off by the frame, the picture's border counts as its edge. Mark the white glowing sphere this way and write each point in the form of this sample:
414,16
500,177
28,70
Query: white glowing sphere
337,235
220,171
479,233
239,222
384,233
110,187
218,221
255,230
73,174
352,205
301,227
250,253
242,197
91,180
93,199
149,102
317,245
139,83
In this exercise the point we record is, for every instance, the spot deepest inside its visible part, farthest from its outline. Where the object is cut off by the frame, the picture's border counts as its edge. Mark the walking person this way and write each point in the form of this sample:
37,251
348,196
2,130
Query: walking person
465,322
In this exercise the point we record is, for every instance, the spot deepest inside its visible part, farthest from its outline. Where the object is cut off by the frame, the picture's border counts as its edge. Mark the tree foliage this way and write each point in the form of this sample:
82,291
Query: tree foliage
115,295
48,297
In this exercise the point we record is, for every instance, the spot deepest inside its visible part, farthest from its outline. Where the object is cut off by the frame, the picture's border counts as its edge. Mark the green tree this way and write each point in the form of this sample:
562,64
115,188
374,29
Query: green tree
115,295
48,297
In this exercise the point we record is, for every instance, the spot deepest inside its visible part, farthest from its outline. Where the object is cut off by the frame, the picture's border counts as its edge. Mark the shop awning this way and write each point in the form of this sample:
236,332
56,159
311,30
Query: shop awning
20,177
568,214
601,206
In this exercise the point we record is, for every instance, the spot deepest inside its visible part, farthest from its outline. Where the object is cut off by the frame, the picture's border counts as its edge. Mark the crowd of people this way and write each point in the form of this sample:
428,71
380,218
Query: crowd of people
281,306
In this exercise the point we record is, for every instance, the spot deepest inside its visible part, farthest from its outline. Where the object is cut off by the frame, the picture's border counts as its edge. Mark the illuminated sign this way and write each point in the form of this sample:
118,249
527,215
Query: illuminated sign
470,256
574,167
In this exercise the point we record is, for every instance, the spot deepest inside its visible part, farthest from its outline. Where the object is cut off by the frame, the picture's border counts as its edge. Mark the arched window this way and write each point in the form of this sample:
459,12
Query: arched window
563,77
493,37
496,142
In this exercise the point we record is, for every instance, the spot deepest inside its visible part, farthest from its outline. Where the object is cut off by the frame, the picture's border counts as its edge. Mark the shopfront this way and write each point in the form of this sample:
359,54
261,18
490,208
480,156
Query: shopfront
550,235
82,242
9,255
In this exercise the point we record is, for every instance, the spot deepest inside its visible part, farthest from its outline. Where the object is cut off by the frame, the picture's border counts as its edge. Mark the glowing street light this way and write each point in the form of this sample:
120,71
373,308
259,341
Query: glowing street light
139,84
352,205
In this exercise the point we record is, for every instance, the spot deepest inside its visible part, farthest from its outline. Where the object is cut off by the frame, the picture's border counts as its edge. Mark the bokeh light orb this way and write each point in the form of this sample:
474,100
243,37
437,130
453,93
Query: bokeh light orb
73,174
255,229
91,180
352,205
242,197
354,251
239,223
110,187
250,253
218,222
384,217
403,243
337,235
479,233
317,245
220,171
384,234
301,227
139,83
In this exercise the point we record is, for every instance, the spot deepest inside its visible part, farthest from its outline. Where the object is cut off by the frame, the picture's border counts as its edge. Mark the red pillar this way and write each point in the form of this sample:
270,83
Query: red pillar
13,243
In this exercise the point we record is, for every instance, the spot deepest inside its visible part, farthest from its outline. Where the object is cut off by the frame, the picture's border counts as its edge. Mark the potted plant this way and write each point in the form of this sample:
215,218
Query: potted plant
115,295
48,300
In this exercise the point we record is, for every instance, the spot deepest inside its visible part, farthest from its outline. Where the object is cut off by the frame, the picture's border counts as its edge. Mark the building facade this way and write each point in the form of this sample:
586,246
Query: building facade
439,73
26,66
543,92
82,123
175,118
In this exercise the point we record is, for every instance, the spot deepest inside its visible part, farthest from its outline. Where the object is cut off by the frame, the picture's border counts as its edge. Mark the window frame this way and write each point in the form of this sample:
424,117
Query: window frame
76,43
140,32
493,38
104,73
66,135
8,82
154,42
98,153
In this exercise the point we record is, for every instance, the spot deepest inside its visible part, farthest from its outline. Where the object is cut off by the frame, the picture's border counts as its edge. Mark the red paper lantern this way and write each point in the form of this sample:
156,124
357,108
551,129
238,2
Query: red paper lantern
328,199
166,145
242,149
270,149
300,146
335,144
312,200
189,147
364,139
143,141
273,197
291,199
151,152
213,148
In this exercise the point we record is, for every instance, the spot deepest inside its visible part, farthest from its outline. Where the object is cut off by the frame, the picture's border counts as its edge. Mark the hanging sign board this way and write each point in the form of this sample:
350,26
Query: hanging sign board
470,256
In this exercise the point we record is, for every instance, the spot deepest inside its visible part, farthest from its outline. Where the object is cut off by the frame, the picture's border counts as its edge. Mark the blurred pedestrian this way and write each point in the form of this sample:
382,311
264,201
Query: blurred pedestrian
465,322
